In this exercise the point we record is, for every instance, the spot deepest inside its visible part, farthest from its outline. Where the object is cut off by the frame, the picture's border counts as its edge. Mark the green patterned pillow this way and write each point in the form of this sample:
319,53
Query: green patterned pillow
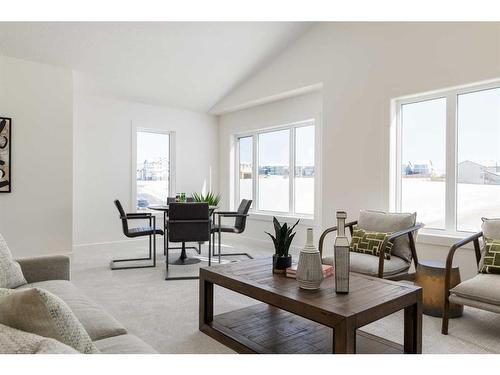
40,312
370,242
490,263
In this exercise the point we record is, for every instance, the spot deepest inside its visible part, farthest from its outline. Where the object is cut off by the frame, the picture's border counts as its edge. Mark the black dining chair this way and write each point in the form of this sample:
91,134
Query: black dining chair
150,230
187,222
240,220
172,200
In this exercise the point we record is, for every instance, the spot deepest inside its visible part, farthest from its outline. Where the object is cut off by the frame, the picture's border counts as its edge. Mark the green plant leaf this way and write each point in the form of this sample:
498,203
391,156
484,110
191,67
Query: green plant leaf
288,243
274,241
277,225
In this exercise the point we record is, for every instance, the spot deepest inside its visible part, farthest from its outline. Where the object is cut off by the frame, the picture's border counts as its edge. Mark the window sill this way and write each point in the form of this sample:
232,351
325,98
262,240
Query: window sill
432,237
288,218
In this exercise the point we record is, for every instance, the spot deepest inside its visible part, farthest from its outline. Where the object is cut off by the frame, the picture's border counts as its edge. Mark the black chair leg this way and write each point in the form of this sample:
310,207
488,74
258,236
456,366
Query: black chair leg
183,256
152,257
219,254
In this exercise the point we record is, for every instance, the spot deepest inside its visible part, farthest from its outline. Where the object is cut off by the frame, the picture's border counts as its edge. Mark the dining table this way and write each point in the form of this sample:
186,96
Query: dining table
180,261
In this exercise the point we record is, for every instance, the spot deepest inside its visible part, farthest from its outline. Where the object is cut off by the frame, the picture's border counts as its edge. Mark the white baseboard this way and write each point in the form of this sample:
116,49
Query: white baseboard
158,240
231,240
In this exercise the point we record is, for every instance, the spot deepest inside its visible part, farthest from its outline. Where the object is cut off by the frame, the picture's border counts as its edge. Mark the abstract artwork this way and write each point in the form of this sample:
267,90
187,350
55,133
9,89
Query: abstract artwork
5,154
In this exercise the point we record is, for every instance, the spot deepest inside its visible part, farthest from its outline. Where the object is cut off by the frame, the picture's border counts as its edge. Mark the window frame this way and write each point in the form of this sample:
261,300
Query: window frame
172,163
254,134
451,150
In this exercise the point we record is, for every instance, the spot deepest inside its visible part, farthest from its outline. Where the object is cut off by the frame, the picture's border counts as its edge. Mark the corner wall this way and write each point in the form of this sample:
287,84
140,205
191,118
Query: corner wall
36,218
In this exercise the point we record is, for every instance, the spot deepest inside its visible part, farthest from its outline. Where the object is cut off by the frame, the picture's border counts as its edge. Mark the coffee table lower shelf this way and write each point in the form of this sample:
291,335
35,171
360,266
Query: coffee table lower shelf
265,329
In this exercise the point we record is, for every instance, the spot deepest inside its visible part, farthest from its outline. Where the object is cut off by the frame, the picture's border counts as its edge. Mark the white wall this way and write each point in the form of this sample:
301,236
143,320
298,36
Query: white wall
278,113
362,66
36,218
103,158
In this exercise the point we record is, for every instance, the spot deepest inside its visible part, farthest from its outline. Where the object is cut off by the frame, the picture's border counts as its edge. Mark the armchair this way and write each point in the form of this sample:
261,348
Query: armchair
481,291
395,268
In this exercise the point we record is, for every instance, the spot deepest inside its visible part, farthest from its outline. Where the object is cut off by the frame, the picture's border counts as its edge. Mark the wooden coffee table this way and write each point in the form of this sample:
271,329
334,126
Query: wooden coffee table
292,320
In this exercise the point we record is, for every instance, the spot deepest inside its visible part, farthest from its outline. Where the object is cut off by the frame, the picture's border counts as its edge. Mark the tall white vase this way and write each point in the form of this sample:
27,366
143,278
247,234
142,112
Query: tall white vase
309,269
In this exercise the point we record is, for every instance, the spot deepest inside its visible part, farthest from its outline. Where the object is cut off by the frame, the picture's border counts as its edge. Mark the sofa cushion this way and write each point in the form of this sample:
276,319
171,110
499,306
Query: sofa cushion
482,287
368,264
124,344
376,221
97,322
15,341
11,275
38,311
367,242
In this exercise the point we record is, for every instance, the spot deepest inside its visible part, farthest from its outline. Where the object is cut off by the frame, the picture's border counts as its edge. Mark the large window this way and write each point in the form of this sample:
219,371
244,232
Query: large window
152,167
423,150
448,157
276,169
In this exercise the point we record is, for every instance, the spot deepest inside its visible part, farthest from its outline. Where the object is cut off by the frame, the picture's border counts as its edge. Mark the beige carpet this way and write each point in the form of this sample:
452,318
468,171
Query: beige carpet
165,313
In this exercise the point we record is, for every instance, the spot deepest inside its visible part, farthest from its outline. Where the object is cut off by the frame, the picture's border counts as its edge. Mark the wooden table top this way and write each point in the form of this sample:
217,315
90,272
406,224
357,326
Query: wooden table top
369,299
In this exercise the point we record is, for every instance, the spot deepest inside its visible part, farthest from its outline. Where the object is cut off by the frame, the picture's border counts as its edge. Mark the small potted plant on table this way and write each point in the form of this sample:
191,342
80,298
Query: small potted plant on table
282,240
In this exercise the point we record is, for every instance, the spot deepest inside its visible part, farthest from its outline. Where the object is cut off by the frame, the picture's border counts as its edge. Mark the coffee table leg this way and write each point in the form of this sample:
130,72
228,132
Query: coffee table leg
413,327
206,301
344,338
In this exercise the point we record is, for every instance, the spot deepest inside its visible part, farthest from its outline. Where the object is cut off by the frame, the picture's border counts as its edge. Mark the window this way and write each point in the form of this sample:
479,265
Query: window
478,157
423,149
304,170
152,167
276,169
245,172
448,157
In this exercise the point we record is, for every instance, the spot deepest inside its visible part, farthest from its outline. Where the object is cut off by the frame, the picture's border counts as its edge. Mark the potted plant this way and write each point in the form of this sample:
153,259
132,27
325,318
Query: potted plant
211,198
282,240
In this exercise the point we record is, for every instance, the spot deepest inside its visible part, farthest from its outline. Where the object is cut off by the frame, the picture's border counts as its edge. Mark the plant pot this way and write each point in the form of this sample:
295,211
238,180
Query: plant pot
280,264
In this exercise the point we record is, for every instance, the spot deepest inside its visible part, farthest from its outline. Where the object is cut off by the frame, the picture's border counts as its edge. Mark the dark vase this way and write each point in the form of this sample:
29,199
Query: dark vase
280,264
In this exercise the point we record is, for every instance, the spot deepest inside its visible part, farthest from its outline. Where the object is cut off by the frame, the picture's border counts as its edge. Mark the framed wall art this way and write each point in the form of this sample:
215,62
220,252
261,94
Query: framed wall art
5,154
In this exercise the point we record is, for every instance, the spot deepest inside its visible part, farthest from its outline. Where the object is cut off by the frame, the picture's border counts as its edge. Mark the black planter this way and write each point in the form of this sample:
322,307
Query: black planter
280,264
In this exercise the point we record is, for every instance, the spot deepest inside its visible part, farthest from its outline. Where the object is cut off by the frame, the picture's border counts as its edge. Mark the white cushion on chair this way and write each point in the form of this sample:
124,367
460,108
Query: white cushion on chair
483,287
367,264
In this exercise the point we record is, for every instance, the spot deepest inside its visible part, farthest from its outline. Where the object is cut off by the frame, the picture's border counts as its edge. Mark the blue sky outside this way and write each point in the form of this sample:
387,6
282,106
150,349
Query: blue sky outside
151,146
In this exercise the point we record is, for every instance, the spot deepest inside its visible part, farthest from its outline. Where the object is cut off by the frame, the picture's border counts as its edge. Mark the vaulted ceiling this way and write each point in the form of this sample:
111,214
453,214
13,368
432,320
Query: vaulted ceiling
188,65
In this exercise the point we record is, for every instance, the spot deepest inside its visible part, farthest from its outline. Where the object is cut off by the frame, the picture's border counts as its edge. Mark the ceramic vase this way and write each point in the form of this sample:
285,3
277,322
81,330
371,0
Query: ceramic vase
309,269
341,253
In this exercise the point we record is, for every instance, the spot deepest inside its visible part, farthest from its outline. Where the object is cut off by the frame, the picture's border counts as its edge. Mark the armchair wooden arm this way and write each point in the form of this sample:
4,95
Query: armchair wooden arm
327,231
447,278
409,232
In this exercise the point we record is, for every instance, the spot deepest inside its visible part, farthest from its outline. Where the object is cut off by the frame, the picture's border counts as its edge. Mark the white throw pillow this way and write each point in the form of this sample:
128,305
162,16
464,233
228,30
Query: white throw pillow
388,222
40,312
11,275
15,341
491,228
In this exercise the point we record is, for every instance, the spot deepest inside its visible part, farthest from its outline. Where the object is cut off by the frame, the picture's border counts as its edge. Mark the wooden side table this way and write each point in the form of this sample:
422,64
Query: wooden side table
430,276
